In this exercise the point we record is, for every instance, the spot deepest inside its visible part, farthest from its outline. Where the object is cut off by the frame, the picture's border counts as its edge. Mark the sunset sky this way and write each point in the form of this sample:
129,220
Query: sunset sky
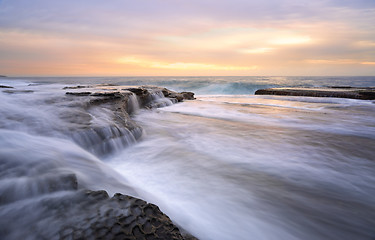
191,37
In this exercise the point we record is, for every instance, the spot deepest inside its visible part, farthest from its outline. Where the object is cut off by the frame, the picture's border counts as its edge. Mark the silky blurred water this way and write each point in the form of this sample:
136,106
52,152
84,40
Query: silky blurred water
249,167
229,165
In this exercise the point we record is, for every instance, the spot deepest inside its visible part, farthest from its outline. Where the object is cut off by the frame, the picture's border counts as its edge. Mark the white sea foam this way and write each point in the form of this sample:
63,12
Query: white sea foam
269,172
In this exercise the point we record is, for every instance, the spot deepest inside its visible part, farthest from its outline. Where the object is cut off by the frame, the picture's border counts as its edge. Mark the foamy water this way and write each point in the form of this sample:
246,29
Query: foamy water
221,167
254,167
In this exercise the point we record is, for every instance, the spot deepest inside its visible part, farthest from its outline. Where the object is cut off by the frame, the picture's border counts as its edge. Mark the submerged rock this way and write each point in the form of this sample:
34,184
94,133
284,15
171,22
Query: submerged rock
18,91
76,87
3,86
334,91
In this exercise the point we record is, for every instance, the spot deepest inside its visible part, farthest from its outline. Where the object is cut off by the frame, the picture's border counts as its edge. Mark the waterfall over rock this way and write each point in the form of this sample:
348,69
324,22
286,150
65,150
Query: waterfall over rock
51,174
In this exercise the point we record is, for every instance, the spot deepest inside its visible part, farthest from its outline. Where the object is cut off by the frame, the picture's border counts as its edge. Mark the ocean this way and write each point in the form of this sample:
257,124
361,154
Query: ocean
228,165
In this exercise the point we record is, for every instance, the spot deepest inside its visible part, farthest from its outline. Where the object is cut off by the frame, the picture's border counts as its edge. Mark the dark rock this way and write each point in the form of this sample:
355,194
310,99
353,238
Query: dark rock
143,95
188,95
137,91
133,218
3,86
341,87
341,92
106,94
165,92
367,95
177,96
105,97
18,91
97,195
78,93
76,87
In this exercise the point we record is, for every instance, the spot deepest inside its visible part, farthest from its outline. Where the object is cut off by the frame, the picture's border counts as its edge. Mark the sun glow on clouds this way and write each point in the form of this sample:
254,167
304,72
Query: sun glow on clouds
180,65
293,40
338,61
334,61
257,50
246,40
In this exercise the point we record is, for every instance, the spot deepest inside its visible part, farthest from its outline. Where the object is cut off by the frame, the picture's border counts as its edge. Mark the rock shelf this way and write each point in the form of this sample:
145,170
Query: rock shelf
334,91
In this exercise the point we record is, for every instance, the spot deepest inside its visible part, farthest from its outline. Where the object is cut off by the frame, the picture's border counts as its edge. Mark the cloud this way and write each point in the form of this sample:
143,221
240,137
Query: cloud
293,40
334,61
181,65
177,35
260,50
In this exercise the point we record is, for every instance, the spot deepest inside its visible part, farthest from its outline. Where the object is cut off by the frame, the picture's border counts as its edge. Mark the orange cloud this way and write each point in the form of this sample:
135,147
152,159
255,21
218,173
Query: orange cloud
181,65
334,61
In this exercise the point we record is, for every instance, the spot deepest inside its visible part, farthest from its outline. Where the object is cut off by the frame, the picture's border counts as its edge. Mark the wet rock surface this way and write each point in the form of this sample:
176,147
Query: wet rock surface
85,214
121,101
334,91
119,217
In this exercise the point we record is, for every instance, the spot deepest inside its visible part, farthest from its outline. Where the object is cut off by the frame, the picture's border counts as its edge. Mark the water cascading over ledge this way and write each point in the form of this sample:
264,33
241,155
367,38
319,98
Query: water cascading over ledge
108,126
50,188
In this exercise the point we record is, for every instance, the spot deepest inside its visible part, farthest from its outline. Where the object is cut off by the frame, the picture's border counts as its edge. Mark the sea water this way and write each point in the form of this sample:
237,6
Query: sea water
229,165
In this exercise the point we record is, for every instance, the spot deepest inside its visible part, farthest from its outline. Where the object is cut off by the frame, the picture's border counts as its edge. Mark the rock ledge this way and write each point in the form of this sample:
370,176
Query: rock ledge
334,91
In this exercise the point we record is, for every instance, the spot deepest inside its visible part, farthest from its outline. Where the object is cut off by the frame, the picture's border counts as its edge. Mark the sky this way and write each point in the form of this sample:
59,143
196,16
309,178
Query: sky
187,38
